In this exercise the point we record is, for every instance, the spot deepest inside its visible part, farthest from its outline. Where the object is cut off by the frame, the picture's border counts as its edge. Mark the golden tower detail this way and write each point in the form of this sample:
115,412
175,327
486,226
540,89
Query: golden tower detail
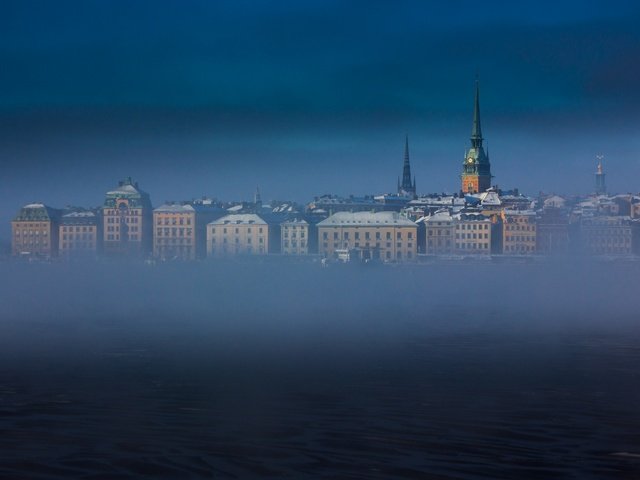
476,169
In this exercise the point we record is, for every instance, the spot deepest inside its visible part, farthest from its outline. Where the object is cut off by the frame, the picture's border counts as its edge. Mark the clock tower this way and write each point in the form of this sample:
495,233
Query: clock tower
476,169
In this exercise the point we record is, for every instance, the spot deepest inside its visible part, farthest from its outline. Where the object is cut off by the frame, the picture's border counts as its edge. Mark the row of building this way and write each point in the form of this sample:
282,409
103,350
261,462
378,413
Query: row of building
479,220
492,222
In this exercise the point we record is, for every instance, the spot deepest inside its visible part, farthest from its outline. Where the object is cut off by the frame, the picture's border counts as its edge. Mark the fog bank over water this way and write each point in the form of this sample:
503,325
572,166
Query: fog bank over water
293,304
254,370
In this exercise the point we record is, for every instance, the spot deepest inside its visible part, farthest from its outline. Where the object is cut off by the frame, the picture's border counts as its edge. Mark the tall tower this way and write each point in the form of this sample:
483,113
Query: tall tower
476,169
406,187
601,188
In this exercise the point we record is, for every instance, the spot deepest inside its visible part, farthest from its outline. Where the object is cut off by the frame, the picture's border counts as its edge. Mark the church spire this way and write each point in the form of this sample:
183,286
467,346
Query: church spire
257,198
476,130
406,186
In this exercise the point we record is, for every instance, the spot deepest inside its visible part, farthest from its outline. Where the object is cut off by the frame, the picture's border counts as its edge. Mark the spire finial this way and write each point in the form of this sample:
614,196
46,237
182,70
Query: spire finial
476,130
599,158
406,147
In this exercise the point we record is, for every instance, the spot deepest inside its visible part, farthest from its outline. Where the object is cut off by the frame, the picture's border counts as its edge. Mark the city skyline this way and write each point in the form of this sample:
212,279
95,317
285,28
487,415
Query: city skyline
101,95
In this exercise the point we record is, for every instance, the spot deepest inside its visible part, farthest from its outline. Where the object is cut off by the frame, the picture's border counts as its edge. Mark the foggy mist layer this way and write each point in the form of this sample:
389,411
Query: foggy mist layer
247,370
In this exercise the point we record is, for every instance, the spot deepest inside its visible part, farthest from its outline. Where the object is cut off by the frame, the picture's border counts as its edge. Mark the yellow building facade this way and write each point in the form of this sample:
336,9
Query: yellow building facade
439,231
374,235
238,234
472,234
174,234
294,237
519,232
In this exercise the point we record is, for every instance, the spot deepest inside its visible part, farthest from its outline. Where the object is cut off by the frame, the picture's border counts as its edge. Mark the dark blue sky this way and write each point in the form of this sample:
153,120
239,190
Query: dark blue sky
304,98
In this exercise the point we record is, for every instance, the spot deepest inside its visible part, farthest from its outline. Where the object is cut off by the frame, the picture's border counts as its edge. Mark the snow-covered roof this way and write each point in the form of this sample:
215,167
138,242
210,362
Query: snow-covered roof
295,221
470,216
36,212
519,212
342,219
174,208
489,198
80,214
239,219
439,216
124,190
554,201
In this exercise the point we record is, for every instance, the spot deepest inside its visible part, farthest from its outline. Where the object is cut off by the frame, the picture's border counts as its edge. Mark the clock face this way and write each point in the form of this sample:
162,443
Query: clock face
469,160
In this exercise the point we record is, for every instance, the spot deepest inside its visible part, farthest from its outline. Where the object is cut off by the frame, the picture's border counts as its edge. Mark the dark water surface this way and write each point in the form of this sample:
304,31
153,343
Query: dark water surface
251,371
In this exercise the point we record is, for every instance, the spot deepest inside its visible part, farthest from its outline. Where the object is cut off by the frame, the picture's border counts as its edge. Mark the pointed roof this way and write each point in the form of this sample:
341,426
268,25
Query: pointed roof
406,184
476,129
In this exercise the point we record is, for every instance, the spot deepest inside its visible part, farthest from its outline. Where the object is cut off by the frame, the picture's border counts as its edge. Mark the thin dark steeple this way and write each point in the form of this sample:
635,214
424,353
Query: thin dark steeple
476,130
257,198
406,169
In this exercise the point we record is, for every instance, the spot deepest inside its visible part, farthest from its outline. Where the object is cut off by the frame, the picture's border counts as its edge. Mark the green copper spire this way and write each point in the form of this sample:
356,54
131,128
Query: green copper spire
476,130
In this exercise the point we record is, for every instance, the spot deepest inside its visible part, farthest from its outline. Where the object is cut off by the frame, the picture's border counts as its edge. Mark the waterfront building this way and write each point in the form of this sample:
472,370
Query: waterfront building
127,220
34,231
476,169
180,229
607,235
439,232
238,234
79,233
372,235
294,237
552,229
518,232
473,233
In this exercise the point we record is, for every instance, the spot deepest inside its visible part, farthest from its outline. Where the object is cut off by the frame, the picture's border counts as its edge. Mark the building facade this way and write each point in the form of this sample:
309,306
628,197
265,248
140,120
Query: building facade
476,169
238,234
386,236
472,234
439,234
79,234
294,237
127,220
519,231
607,235
34,231
552,231
180,229
174,233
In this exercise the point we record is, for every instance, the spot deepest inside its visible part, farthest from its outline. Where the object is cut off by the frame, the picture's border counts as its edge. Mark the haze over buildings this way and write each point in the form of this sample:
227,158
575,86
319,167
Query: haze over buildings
312,98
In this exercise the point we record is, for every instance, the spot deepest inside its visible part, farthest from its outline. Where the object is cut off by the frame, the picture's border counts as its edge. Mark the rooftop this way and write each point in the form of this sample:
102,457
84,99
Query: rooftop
239,219
366,218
